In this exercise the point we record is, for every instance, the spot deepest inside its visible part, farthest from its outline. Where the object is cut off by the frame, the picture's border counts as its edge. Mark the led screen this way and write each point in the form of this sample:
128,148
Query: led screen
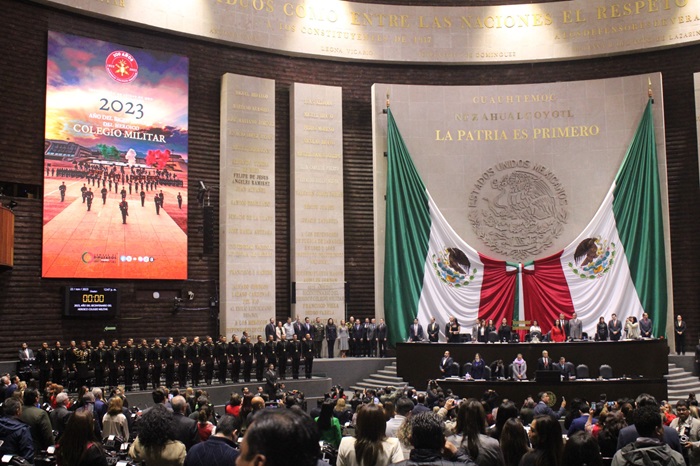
115,161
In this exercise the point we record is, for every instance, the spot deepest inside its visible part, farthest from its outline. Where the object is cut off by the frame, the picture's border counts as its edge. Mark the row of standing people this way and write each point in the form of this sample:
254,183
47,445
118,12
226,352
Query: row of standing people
562,329
145,363
353,338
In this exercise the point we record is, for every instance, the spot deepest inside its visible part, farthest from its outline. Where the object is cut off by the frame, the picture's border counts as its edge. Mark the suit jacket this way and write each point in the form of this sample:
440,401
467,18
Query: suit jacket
415,332
446,366
185,430
381,331
615,331
568,370
270,330
575,329
433,332
541,365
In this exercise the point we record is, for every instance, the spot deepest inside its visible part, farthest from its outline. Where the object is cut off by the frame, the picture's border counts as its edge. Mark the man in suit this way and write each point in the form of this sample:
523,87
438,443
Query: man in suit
270,330
357,338
646,326
372,338
184,428
575,328
59,416
446,365
564,324
545,362
382,332
433,331
26,360
415,331
615,328
566,369
543,408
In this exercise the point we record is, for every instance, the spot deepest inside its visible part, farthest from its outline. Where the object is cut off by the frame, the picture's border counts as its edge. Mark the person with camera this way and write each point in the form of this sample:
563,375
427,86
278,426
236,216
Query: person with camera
688,429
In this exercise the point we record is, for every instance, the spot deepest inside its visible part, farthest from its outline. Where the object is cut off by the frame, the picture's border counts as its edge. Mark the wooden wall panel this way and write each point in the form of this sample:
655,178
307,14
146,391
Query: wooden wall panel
30,307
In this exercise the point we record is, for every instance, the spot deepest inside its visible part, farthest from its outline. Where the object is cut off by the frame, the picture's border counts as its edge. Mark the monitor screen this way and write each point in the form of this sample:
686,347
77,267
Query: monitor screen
84,301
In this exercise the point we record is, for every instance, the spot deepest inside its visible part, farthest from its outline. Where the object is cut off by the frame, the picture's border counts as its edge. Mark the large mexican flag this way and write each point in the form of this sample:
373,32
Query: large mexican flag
615,265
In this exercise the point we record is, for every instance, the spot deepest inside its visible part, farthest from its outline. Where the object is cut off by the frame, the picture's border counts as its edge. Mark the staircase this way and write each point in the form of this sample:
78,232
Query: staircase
680,383
382,378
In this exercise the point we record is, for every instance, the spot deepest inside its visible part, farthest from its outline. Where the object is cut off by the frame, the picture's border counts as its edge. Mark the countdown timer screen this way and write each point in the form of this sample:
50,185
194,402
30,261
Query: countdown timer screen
91,301
115,161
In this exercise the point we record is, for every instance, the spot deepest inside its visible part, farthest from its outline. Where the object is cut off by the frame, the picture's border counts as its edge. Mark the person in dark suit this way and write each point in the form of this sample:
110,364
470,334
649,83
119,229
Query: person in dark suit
270,330
59,416
234,353
614,328
26,361
433,331
545,362
543,408
307,350
62,190
679,334
504,331
452,330
601,331
446,365
179,201
415,331
247,358
184,428
282,351
566,369
294,350
382,332
143,197
103,191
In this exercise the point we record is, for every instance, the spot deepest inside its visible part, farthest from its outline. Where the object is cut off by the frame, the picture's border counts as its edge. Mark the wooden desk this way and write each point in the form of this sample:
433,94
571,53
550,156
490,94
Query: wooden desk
418,362
589,390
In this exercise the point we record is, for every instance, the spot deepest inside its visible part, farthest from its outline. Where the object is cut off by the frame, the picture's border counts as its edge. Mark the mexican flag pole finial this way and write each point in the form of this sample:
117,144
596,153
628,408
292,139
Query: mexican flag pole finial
387,98
650,92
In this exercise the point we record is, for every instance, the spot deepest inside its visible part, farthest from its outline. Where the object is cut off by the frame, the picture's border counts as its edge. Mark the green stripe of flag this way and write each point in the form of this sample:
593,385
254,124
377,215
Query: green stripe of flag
637,210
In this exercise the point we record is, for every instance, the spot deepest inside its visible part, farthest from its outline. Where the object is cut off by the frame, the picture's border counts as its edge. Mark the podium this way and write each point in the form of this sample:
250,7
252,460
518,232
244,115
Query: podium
7,238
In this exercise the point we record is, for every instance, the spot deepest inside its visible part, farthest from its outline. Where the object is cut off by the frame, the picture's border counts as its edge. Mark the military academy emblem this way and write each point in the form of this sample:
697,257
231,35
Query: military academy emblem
593,258
452,267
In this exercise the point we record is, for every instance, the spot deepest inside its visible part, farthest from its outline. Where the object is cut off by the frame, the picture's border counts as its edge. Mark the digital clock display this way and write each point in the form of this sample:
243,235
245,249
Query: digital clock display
91,301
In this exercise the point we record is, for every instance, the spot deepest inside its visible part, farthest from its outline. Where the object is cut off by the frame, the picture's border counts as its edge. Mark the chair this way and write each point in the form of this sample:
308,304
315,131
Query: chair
510,372
515,338
454,370
582,372
606,371
465,337
466,368
493,337
487,372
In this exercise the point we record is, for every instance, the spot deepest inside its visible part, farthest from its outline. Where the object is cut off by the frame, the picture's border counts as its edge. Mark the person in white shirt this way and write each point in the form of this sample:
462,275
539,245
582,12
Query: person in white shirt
403,407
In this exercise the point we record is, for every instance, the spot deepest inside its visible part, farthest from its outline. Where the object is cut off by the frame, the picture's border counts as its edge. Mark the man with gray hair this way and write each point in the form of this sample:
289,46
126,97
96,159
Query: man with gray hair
184,428
60,416
220,448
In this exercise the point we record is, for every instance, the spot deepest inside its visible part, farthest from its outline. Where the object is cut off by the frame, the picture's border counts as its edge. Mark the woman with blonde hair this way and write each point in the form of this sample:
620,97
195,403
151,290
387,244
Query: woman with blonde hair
114,422
370,446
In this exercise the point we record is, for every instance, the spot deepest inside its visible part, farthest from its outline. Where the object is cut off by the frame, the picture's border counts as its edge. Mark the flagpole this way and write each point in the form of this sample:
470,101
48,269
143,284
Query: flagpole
650,93
387,102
